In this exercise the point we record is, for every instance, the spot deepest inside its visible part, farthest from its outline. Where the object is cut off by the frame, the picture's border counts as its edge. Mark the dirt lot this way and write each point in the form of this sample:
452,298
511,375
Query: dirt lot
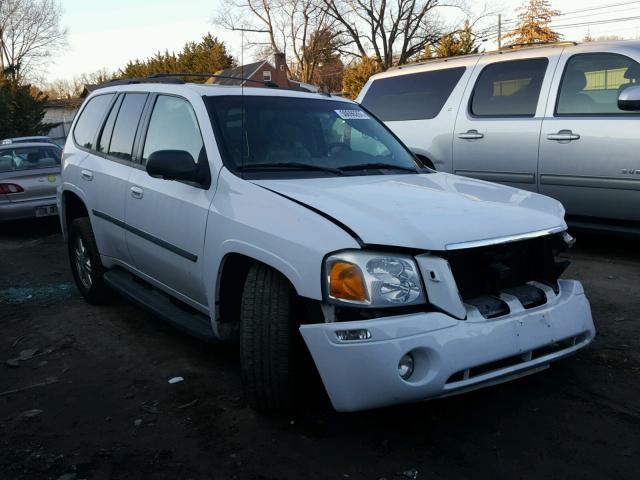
93,399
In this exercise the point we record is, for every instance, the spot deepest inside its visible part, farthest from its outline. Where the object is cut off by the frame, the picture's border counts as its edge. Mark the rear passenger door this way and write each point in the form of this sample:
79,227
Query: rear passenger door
167,219
498,128
102,181
590,149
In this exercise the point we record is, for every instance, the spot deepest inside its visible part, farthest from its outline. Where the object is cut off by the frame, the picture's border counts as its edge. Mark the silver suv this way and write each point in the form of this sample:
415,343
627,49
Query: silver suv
562,120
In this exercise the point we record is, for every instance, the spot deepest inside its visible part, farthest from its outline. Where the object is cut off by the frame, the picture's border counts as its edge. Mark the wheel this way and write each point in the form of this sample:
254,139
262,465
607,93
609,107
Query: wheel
86,265
267,340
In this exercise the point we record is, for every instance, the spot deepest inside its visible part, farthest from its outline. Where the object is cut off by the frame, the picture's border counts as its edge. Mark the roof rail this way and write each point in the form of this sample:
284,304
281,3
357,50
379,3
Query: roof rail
176,78
538,44
133,81
487,52
266,83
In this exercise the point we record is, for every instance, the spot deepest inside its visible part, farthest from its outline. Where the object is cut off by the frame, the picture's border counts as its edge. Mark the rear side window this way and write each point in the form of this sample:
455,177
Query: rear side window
28,158
107,130
124,130
417,96
592,83
509,89
173,126
90,119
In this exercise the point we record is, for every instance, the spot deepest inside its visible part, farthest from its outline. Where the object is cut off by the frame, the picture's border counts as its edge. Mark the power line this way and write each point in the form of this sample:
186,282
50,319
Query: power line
601,7
600,13
591,9
597,22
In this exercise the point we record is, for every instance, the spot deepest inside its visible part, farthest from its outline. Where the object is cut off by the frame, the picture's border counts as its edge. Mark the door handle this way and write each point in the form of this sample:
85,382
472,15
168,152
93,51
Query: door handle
87,175
471,135
563,136
137,192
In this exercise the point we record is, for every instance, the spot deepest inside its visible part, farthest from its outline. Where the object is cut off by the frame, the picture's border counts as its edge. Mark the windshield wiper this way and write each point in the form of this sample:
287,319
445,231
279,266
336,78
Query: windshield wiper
376,166
287,166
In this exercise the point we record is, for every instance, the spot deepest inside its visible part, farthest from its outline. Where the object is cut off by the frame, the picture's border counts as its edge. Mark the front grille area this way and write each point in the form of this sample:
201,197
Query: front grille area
504,363
491,270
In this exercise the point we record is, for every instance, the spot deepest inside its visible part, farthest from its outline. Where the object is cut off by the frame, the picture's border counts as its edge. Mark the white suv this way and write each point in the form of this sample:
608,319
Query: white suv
278,216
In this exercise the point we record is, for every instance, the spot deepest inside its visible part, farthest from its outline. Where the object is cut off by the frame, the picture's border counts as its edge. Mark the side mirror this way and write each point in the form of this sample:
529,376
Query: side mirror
175,165
629,99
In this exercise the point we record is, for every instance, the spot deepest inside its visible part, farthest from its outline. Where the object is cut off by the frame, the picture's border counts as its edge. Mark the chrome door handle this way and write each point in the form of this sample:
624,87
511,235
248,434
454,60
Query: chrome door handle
137,192
471,135
87,175
563,135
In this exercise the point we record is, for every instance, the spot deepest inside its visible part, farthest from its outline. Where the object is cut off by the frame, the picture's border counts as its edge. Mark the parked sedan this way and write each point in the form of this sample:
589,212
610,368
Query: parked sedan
33,139
29,176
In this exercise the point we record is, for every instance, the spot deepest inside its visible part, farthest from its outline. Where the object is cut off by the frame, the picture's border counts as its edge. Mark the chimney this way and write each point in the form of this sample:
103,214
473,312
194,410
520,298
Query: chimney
281,76
280,61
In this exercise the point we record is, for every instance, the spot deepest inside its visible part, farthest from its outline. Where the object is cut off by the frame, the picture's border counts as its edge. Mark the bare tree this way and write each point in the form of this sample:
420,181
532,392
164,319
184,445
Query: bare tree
302,29
30,32
389,32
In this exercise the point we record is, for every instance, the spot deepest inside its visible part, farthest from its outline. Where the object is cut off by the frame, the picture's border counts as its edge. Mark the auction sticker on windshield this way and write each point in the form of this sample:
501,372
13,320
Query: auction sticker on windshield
352,115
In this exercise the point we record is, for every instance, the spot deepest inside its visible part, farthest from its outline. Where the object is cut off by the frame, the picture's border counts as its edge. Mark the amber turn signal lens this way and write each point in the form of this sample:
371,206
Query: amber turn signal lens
346,282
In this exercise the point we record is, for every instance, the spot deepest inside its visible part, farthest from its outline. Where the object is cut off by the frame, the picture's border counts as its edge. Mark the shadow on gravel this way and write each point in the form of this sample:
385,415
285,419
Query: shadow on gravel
605,245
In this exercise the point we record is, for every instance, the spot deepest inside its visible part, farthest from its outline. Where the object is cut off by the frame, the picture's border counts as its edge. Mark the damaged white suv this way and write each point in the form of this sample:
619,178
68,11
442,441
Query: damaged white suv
274,215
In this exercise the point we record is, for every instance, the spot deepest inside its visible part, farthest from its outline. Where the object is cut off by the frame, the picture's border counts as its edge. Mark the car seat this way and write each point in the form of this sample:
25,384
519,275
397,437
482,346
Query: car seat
572,98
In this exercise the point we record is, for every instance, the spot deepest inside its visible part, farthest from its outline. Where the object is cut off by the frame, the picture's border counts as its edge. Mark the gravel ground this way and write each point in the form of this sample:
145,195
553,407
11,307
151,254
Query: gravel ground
84,393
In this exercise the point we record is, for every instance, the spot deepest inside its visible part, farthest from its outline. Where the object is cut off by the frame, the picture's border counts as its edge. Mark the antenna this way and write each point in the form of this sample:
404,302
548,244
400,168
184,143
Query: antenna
244,133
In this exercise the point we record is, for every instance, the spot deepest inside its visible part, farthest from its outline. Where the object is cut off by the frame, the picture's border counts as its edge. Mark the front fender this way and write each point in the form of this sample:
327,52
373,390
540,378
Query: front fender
249,220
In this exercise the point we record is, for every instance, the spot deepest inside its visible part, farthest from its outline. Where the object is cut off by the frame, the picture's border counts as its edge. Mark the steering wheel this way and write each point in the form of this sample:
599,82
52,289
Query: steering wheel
338,145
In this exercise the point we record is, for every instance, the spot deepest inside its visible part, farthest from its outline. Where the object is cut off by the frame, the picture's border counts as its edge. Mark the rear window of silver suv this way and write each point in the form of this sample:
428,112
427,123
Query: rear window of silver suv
415,96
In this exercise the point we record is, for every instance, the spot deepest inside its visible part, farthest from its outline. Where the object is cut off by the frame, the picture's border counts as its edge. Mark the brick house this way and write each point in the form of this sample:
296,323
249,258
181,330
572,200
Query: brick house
262,71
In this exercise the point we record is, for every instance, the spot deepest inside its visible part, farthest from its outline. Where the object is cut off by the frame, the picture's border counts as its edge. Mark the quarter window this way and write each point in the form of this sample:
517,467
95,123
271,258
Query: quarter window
124,130
509,89
415,96
592,83
90,120
173,126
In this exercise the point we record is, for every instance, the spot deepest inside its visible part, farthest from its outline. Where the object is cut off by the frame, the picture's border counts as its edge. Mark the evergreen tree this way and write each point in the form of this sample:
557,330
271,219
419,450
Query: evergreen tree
21,113
356,75
206,56
533,24
457,43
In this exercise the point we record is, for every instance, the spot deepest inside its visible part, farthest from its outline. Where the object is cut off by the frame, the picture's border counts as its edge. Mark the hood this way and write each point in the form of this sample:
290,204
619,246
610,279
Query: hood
436,211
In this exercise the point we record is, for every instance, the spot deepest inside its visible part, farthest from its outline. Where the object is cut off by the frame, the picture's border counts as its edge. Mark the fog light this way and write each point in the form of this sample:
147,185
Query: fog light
405,366
350,335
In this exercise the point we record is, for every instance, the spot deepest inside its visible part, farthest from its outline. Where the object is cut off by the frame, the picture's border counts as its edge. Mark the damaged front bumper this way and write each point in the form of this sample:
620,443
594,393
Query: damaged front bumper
450,355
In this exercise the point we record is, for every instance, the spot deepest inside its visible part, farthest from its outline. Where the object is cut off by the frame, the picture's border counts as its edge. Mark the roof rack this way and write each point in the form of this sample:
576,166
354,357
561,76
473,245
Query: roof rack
488,52
176,78
539,44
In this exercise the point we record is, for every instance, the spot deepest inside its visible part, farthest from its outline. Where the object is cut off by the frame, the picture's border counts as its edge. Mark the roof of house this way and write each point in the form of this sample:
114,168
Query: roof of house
70,103
241,71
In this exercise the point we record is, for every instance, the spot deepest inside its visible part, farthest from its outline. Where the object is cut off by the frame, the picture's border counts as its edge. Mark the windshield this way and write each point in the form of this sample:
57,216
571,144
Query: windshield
28,158
275,136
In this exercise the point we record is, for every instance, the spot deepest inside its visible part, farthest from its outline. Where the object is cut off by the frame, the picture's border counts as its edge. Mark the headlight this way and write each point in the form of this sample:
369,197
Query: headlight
373,279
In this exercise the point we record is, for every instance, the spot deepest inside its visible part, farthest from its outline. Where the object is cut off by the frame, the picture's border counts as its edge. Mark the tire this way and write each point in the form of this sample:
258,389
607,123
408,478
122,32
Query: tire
86,266
267,340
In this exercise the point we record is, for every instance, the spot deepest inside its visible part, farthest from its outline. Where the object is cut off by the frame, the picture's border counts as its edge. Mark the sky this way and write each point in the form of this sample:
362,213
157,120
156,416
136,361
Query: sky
107,34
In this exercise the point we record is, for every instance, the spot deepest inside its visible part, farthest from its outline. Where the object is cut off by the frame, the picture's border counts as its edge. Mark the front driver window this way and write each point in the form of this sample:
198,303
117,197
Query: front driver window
173,126
592,83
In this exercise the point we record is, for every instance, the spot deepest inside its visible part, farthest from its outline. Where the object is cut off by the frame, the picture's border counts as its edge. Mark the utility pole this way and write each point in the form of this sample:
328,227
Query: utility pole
499,31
